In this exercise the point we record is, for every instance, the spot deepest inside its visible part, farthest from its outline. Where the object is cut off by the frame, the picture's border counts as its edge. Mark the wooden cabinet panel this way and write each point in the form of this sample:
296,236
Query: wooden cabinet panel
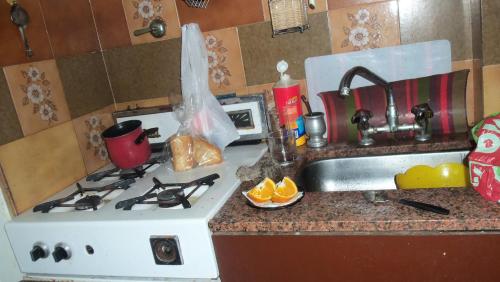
358,258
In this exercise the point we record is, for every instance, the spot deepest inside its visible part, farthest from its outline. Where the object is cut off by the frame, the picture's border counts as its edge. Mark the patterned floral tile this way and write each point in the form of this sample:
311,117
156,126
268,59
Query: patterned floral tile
491,77
139,13
38,95
474,98
225,64
321,6
365,27
88,130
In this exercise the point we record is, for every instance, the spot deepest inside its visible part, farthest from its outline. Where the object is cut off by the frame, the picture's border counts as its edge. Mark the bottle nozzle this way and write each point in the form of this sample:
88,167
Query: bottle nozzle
282,67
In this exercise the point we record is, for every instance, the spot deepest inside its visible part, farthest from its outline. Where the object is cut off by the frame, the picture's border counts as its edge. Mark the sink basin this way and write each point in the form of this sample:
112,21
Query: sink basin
368,173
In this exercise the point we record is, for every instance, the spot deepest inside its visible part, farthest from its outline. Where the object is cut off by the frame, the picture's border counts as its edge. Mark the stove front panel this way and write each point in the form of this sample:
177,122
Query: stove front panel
148,248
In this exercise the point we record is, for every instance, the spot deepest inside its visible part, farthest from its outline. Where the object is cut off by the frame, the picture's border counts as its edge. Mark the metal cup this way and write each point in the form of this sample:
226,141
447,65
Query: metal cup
315,128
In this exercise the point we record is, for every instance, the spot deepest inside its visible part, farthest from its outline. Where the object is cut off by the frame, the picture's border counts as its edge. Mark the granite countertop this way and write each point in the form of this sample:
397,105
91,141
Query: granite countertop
349,211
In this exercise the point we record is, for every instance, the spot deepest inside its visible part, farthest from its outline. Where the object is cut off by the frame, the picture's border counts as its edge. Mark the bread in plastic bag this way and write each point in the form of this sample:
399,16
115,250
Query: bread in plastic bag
189,152
182,152
206,153
202,114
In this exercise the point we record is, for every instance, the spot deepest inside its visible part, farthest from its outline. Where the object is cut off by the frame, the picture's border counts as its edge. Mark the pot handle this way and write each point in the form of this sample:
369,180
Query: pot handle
151,132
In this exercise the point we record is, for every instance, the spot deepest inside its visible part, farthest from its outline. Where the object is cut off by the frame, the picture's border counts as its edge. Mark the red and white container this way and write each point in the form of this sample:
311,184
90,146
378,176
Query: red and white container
287,99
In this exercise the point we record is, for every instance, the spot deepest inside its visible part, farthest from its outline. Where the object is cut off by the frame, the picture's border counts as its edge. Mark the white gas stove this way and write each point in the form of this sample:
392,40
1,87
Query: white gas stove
111,235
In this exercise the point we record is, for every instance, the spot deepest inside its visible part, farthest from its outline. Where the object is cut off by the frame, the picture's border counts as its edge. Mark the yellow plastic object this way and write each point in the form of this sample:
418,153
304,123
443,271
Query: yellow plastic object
443,176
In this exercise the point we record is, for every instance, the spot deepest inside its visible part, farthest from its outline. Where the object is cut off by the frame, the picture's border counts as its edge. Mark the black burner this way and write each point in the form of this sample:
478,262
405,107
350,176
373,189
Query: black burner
169,197
87,202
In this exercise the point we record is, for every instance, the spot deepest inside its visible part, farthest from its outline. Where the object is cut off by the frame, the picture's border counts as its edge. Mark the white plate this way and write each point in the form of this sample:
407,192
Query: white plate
271,205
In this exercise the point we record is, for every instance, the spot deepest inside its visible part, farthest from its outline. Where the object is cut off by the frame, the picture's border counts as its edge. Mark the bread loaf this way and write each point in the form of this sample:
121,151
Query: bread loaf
182,152
206,153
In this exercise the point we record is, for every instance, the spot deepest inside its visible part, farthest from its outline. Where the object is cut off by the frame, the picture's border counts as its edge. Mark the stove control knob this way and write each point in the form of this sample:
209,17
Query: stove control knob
39,251
166,251
61,251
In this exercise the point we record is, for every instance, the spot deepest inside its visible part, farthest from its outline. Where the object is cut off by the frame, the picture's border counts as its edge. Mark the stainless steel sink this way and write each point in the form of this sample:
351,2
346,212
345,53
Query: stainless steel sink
368,173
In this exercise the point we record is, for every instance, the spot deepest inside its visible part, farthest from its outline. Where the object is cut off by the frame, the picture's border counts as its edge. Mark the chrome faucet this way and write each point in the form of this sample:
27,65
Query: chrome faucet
422,112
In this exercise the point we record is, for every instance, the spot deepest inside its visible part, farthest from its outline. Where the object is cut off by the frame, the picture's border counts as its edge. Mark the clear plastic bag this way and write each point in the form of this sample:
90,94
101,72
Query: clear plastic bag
201,114
205,128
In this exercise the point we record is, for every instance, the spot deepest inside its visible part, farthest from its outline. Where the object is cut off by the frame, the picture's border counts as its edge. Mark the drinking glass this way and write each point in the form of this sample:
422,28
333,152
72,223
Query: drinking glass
282,146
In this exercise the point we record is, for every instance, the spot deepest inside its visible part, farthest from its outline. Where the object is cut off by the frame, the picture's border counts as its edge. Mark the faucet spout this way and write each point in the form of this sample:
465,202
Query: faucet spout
345,82
423,112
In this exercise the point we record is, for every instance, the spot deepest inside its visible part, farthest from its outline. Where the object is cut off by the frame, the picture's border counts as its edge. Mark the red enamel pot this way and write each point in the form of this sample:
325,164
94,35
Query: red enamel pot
127,144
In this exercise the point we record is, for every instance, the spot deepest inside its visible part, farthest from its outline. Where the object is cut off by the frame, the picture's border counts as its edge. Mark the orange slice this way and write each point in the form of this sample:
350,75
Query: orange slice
285,191
263,192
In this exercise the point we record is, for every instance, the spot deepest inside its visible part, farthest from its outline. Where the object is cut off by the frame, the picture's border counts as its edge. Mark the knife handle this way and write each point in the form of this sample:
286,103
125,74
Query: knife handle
424,206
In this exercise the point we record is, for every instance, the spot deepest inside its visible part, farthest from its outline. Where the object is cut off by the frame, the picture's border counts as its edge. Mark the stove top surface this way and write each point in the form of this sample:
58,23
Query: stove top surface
101,204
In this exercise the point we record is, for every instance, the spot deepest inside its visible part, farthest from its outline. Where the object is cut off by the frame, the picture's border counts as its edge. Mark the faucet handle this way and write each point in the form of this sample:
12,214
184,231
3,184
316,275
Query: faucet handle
422,112
361,117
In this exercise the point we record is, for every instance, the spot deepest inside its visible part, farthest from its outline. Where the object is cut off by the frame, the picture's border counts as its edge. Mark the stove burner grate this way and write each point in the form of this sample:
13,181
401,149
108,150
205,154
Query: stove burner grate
87,202
137,172
168,198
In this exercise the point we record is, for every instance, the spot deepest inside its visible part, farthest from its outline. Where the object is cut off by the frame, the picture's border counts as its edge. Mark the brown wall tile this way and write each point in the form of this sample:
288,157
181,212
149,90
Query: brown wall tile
320,7
491,78
38,95
146,71
10,127
337,4
145,103
12,47
266,89
70,26
34,166
477,36
111,23
261,51
85,83
221,13
491,31
426,20
474,93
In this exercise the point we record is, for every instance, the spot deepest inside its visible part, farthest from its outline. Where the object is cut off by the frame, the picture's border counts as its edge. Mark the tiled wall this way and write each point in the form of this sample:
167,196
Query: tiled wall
491,54
87,63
